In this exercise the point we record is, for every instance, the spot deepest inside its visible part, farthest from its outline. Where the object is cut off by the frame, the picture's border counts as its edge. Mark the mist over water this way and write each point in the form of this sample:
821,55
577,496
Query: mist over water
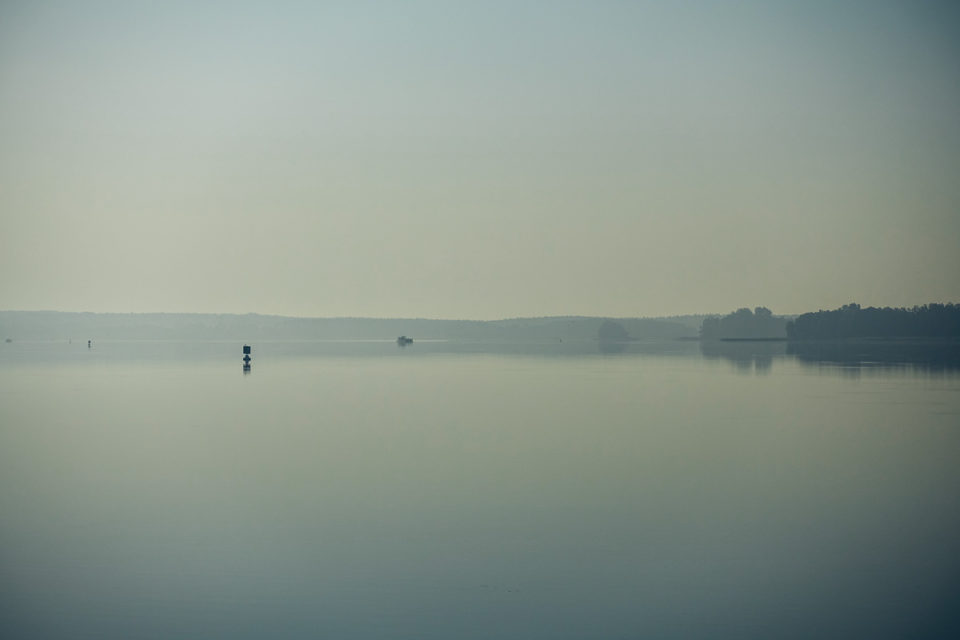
567,197
467,490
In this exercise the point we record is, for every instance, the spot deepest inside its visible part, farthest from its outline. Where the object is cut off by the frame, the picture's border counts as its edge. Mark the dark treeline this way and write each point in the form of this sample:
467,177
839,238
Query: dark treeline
743,324
851,321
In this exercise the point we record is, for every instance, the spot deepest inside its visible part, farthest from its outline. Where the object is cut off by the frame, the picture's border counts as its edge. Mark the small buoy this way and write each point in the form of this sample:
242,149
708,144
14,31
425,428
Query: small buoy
246,358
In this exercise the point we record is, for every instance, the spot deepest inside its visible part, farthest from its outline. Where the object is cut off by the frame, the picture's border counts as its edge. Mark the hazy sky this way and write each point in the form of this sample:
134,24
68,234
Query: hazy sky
478,160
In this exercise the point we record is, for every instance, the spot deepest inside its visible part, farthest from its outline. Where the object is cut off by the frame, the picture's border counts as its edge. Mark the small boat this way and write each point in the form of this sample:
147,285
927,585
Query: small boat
404,341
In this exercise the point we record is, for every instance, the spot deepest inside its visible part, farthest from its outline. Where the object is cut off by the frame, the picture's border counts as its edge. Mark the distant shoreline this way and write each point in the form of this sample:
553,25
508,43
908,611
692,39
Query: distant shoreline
852,340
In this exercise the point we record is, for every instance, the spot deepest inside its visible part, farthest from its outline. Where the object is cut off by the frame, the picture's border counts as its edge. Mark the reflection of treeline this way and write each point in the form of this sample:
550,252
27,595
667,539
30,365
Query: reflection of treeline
744,324
747,356
920,355
851,321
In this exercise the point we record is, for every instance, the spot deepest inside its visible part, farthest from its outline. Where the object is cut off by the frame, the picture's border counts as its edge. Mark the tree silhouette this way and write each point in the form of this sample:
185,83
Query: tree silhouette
611,331
744,324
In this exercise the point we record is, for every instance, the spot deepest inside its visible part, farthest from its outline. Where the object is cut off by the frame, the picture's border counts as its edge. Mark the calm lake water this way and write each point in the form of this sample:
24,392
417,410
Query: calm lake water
445,490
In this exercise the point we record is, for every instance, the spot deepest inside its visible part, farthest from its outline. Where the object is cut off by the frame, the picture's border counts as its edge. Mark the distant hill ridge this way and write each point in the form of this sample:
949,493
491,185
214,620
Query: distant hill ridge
61,325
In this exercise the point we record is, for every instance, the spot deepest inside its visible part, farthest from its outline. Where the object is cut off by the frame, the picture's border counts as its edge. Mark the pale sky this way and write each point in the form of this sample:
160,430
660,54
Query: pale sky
478,160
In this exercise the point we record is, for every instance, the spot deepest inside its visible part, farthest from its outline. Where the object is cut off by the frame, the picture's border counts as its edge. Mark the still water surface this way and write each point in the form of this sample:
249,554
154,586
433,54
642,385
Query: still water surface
360,490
